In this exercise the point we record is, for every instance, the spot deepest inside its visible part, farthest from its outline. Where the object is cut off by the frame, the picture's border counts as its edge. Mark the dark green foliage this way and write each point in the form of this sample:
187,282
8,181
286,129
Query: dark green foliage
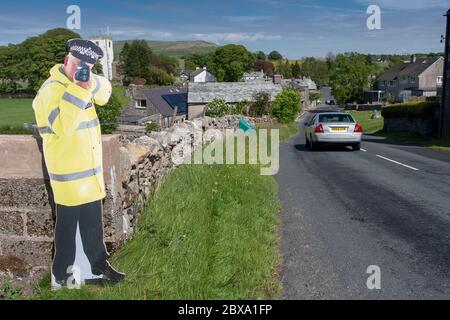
411,110
261,105
259,55
295,69
227,63
109,114
287,105
275,56
31,60
317,70
137,60
152,126
284,68
350,76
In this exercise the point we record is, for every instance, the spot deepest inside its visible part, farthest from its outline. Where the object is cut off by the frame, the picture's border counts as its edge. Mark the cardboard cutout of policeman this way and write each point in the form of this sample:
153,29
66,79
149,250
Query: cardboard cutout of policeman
72,146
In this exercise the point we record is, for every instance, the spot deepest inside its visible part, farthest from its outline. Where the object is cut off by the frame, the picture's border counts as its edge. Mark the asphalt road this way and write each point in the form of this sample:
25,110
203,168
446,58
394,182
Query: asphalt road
344,211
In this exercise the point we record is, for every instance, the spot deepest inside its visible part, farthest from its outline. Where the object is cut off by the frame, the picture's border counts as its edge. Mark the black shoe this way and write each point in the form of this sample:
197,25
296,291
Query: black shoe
108,275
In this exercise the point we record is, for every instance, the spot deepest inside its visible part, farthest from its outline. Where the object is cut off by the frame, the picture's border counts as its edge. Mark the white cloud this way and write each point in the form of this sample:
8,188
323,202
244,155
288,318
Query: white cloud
250,18
136,32
407,4
235,36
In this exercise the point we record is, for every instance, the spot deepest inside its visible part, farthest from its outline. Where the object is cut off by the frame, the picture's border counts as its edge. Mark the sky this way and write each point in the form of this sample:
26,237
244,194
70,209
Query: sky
296,28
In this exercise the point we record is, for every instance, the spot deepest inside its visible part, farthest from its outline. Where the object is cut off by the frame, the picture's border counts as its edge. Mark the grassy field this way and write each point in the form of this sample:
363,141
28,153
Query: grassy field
15,112
209,233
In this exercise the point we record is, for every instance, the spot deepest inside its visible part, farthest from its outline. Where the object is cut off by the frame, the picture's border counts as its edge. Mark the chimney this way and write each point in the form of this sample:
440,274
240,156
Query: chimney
204,68
196,68
413,58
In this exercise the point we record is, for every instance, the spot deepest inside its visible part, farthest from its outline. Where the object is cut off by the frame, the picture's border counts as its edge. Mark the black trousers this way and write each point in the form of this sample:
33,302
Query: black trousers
89,218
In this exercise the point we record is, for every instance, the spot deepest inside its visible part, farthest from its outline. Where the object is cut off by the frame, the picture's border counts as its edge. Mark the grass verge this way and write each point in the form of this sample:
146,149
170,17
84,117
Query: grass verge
287,130
414,138
369,125
209,233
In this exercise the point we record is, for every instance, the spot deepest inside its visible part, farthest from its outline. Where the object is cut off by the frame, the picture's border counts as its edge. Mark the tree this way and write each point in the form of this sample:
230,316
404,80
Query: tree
287,105
317,70
284,68
261,105
230,62
31,60
350,76
275,56
108,114
137,60
295,70
266,66
259,55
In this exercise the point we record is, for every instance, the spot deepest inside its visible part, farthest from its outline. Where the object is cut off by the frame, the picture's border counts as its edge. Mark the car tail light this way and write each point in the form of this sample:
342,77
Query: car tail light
358,128
318,128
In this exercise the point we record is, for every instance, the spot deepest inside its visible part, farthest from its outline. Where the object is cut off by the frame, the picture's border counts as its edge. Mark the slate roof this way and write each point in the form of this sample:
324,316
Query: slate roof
164,99
231,92
408,69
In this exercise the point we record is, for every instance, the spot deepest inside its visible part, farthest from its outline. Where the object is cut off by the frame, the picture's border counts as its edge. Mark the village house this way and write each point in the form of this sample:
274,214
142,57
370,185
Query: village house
306,86
163,105
201,75
418,78
254,76
200,94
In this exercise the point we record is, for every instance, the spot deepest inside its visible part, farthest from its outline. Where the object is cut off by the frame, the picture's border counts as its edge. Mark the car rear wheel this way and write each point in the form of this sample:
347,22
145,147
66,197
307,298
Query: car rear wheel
356,147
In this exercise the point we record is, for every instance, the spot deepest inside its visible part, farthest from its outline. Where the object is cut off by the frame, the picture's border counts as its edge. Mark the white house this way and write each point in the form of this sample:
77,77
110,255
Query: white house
106,44
201,75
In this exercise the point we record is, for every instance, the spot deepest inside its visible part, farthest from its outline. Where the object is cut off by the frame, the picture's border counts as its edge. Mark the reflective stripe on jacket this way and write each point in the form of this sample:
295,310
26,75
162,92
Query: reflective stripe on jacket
72,145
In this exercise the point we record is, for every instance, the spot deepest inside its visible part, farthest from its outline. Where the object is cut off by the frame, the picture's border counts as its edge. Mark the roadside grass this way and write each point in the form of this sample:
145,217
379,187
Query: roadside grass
414,138
210,232
287,131
368,124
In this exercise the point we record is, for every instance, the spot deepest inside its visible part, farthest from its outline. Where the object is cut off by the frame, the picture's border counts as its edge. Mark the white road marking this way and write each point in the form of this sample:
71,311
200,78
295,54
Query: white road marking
363,150
399,163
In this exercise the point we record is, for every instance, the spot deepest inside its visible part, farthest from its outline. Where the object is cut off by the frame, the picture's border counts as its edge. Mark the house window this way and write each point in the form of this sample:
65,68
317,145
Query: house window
439,79
391,83
141,104
412,80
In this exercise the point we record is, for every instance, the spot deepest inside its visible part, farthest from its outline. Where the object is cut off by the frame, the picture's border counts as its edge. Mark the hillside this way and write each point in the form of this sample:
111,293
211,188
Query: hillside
175,49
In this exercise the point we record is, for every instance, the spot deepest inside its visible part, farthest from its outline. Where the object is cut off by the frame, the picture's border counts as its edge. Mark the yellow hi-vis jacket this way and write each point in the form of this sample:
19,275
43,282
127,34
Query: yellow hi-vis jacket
70,129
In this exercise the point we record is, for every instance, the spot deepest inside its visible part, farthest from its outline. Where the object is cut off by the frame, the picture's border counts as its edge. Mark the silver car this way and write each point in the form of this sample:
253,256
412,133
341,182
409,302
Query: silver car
336,128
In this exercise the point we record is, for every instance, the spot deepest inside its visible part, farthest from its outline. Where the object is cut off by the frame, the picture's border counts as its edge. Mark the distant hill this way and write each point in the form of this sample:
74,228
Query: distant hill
176,49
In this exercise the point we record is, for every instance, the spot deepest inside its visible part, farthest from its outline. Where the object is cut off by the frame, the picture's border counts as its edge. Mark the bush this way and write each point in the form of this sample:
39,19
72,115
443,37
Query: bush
217,108
241,108
151,126
287,105
411,110
261,105
109,114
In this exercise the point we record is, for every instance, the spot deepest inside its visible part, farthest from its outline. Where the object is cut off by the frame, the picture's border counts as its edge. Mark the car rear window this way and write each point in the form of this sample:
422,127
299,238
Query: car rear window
328,118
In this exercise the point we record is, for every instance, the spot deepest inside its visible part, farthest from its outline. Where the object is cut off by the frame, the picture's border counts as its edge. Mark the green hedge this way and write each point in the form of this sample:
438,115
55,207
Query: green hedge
411,110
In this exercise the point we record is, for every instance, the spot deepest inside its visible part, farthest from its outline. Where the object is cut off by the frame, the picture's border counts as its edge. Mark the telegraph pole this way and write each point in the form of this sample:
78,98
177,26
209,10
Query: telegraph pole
444,127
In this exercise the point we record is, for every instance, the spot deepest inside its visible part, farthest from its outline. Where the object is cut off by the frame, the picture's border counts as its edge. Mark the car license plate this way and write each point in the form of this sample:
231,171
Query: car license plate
339,129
